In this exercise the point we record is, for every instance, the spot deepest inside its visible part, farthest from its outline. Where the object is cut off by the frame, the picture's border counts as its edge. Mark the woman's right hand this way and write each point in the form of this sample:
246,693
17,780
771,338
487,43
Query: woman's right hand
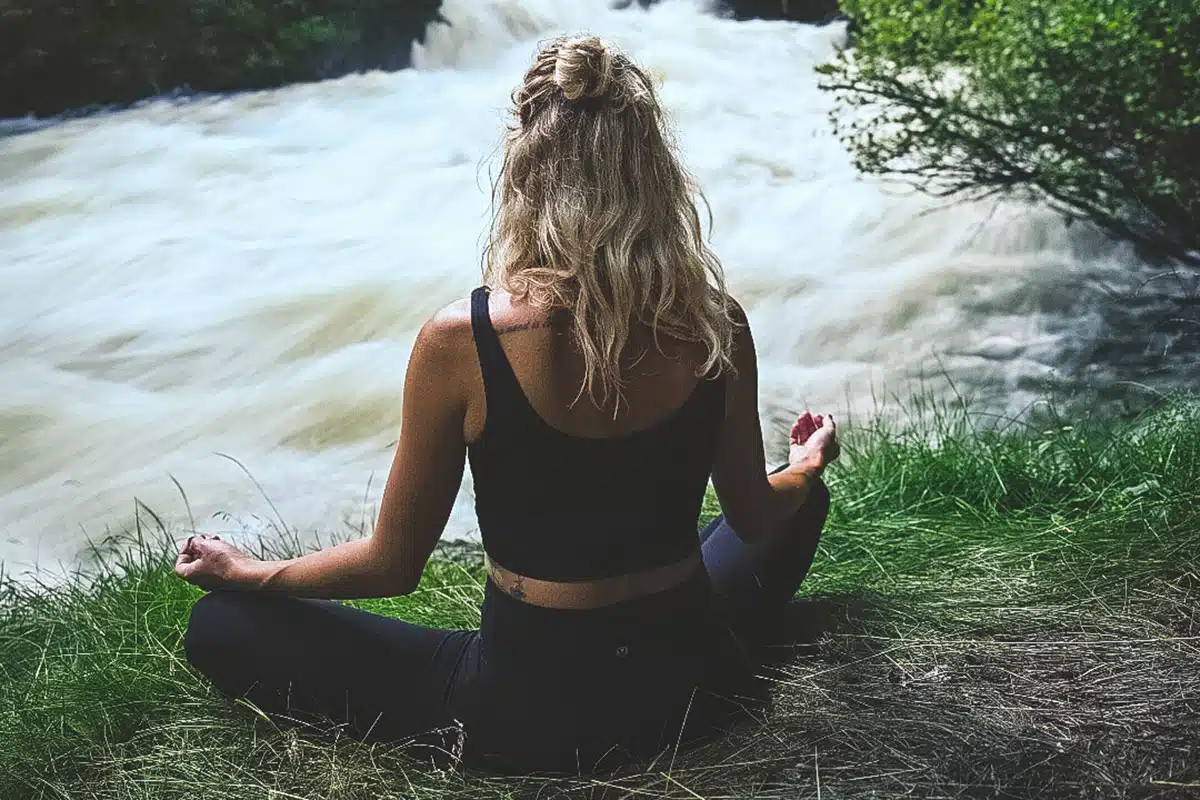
813,443
211,564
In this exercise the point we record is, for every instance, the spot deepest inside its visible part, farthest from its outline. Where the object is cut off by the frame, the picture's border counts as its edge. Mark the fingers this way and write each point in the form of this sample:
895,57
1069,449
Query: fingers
184,564
195,540
188,555
808,424
802,429
834,446
192,552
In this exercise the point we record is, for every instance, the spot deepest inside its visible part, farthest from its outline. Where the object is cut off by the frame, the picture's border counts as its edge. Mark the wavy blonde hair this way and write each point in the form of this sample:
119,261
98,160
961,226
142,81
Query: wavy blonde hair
593,213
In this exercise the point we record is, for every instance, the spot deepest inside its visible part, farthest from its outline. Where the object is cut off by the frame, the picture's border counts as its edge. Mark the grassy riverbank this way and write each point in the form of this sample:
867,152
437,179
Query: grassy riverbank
1004,614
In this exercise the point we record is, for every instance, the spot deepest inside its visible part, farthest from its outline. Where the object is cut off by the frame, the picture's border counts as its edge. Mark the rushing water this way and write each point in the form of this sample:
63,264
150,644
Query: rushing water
245,275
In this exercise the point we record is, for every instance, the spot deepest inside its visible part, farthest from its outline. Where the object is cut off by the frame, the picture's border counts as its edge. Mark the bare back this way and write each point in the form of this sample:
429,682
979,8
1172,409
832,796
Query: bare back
551,372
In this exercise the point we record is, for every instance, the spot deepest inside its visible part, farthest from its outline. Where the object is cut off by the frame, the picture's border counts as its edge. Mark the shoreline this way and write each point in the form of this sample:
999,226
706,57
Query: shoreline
1033,586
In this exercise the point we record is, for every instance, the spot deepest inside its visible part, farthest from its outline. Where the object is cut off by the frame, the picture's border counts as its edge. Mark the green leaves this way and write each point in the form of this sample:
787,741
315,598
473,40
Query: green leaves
1092,105
59,55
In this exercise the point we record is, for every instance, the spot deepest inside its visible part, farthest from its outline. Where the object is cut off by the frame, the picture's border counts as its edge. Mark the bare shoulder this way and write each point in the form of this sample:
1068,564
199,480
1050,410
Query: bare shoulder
736,311
453,317
446,336
510,315
743,341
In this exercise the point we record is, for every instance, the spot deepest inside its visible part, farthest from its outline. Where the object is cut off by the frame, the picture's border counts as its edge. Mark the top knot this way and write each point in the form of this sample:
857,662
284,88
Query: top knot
583,68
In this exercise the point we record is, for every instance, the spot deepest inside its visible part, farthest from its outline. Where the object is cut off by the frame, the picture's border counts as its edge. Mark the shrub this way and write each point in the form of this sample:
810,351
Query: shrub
56,56
1090,105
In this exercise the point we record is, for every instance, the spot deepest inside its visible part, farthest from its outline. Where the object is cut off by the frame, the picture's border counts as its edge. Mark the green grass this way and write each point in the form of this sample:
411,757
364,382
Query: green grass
994,612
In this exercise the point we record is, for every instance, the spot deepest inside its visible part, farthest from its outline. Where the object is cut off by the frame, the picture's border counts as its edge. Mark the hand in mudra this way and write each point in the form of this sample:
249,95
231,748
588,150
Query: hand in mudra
208,562
814,441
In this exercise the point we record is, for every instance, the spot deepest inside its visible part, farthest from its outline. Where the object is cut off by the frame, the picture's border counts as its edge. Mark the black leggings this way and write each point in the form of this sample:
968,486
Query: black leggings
535,689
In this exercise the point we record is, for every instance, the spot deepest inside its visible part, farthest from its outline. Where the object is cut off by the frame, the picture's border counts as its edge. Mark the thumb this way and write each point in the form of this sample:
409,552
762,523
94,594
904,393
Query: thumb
185,568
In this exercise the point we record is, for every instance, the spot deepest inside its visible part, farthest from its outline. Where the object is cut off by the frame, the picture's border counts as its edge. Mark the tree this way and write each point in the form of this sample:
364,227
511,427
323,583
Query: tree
57,55
1090,105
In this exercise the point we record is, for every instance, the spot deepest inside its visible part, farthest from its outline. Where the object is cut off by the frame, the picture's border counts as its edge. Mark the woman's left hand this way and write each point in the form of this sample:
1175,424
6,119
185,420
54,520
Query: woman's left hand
211,563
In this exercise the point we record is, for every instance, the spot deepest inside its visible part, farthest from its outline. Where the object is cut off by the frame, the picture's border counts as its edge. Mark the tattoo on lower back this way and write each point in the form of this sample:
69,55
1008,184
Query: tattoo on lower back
516,590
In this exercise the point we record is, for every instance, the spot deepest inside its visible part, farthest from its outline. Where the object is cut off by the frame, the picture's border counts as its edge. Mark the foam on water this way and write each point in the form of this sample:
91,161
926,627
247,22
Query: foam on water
245,275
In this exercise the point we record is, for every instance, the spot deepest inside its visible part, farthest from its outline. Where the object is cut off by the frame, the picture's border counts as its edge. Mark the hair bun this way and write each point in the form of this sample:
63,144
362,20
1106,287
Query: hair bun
584,68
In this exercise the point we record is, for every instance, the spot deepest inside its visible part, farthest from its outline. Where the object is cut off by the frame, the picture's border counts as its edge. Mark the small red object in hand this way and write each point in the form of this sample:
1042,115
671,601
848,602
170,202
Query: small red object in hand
806,426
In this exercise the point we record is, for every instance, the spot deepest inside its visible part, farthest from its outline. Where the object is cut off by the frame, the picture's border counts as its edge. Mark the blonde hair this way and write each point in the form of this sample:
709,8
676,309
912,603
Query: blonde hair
593,213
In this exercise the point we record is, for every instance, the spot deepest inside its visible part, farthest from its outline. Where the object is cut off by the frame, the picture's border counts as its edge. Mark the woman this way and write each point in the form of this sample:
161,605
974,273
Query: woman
594,393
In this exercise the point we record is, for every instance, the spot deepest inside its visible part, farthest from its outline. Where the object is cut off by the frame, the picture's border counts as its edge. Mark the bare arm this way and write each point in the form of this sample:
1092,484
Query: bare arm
425,477
754,503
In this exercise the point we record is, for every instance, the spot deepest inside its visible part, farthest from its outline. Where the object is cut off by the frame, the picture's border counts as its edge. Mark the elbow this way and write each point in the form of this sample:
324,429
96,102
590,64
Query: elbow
404,576
750,528
751,535
390,573
389,583
397,583
387,586
406,585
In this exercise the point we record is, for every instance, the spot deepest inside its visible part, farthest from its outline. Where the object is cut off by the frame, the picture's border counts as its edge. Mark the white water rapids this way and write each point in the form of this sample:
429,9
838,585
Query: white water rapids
245,275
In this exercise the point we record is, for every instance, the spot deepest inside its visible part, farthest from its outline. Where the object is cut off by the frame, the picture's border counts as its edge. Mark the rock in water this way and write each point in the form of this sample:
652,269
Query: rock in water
818,11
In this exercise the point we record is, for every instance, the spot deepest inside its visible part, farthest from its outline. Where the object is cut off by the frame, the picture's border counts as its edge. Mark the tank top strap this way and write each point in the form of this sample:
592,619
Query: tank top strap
501,389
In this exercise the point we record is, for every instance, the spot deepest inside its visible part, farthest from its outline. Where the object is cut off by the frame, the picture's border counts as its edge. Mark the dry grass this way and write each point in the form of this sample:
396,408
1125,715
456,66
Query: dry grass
1003,614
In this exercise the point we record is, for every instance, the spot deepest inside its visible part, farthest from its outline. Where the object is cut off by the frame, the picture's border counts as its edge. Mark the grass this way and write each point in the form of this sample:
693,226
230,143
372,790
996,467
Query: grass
1000,612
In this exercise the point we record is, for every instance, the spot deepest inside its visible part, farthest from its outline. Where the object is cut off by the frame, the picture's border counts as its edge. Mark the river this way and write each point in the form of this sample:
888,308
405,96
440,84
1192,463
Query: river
245,275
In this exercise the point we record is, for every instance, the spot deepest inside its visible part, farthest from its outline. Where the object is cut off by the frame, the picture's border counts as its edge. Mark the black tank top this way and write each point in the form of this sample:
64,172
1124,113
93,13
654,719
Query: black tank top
553,506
